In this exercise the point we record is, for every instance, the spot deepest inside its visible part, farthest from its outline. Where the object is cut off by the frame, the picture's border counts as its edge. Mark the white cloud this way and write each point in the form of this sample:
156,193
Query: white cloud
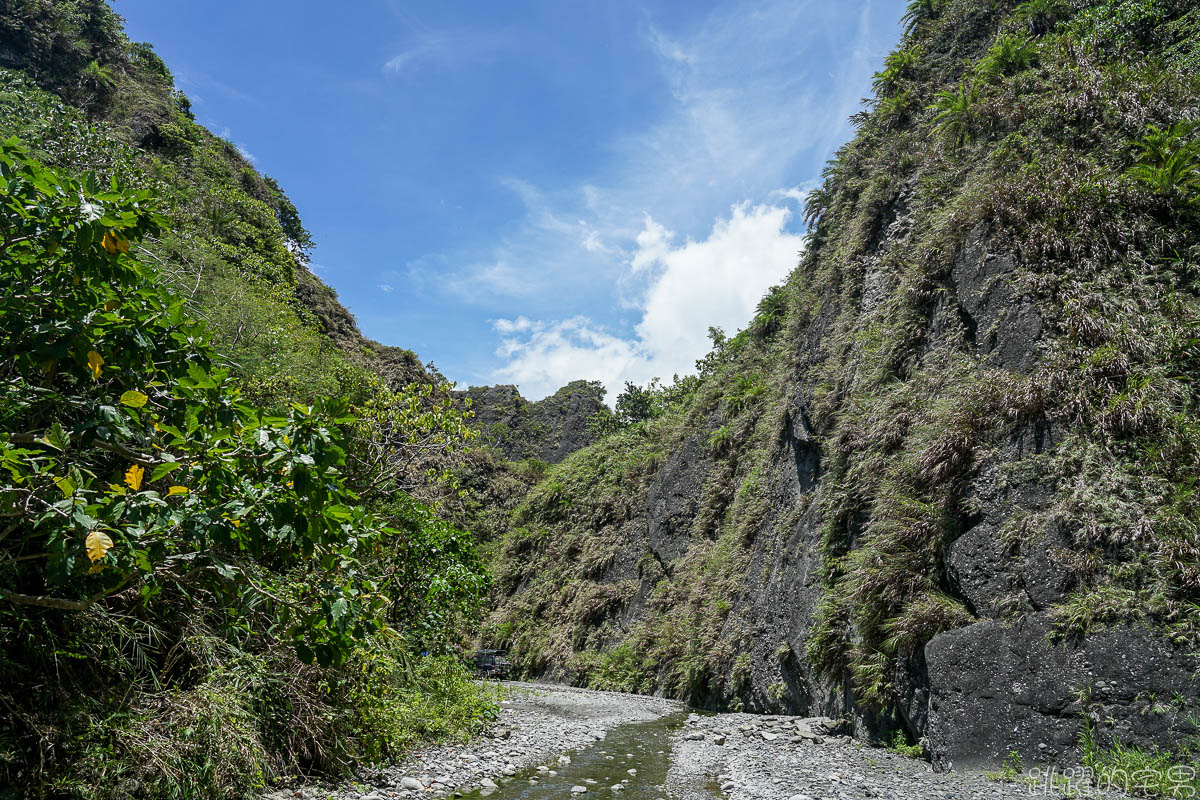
696,284
619,273
386,288
543,353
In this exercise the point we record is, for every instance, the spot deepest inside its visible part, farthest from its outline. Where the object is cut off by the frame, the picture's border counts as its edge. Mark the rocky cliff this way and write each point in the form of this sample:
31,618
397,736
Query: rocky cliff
944,482
548,430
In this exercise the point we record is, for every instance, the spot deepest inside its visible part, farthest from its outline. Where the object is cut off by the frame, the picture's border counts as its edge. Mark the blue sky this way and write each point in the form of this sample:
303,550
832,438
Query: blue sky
532,191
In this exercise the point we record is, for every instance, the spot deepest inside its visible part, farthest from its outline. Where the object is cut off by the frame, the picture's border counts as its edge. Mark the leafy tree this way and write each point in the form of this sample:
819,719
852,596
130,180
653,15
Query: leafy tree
402,439
289,220
130,465
639,404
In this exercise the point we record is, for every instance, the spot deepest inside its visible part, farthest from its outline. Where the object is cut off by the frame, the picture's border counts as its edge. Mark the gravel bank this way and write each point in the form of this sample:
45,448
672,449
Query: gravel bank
730,756
537,723
750,757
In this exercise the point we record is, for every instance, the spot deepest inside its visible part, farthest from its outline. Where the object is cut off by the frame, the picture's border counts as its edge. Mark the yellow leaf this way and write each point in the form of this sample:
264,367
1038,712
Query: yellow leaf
174,490
133,477
66,486
95,363
94,568
115,243
97,544
112,304
134,399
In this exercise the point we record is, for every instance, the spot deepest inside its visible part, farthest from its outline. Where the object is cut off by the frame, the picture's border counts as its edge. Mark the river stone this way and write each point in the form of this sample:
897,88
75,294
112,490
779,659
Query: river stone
408,782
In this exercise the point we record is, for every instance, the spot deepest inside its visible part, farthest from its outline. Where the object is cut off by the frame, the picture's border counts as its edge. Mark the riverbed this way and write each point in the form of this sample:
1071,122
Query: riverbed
557,743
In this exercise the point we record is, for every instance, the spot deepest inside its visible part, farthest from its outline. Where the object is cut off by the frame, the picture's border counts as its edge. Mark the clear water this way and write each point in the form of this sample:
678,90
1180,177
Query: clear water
641,746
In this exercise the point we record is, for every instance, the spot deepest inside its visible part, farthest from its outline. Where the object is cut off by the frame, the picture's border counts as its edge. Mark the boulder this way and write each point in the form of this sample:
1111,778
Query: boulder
999,687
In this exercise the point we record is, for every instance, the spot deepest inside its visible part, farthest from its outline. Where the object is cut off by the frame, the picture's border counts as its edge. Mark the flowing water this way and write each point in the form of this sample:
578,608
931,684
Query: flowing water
636,755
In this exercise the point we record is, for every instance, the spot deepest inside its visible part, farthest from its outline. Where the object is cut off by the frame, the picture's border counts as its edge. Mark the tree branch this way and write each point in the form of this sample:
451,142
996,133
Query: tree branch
112,447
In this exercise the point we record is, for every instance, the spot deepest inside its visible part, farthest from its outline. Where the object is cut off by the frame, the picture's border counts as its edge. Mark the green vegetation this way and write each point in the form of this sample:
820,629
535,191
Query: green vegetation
955,117
164,538
1011,53
1168,163
1057,147
1012,768
640,404
1139,772
219,566
920,10
900,746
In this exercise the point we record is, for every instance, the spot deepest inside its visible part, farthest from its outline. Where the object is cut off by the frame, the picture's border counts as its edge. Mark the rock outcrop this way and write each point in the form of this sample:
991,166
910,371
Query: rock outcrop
549,429
948,495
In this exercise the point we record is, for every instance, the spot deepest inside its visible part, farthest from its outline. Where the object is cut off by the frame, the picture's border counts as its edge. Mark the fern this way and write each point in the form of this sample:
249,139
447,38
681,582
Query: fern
920,10
955,117
1169,163
1040,15
1009,54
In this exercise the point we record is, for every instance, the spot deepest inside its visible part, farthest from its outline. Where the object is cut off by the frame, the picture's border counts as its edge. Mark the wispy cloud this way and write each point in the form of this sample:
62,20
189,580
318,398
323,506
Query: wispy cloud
447,49
618,276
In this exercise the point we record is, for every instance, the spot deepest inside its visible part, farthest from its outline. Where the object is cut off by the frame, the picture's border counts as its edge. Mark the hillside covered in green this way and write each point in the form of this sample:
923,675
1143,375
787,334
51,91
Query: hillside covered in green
942,485
219,565
955,452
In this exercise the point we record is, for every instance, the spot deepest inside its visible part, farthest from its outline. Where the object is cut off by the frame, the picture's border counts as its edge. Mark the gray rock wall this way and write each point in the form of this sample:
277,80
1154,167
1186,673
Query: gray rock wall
549,429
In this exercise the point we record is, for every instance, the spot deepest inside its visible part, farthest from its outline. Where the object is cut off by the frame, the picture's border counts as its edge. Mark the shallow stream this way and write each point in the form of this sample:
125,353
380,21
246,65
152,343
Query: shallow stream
636,756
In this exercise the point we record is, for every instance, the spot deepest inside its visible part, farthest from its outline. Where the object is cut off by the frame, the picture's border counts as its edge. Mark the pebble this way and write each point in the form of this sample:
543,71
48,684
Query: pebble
775,758
540,727
770,758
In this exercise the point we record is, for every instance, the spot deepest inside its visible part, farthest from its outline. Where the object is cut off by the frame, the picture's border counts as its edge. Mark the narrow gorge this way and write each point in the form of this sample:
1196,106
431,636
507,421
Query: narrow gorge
937,495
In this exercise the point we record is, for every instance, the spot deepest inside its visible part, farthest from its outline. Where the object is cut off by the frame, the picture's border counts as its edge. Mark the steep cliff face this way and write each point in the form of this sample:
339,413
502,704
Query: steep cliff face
548,430
943,482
